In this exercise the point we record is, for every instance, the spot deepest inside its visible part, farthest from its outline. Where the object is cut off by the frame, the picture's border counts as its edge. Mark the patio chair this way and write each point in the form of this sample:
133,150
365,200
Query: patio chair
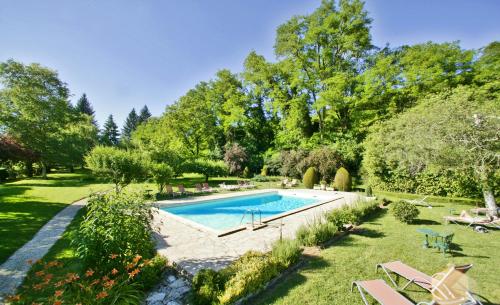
170,191
283,183
182,190
207,188
471,221
420,202
293,183
198,188
435,284
381,292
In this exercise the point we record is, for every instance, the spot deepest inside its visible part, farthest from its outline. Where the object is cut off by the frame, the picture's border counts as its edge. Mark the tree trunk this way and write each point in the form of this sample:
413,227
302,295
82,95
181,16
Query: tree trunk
29,169
206,178
71,169
489,200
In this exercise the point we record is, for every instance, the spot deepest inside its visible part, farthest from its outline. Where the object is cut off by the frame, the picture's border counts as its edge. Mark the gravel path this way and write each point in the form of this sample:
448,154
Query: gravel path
13,271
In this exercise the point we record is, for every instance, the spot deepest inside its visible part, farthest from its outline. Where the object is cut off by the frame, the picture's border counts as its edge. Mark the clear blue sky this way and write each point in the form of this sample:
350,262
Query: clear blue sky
125,54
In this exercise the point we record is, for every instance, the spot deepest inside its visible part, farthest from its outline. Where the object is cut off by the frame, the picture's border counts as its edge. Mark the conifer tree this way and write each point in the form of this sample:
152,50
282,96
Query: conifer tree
144,115
130,124
110,134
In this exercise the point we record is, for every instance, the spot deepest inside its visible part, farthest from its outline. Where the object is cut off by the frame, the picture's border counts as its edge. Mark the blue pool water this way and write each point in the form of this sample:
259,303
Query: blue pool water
227,213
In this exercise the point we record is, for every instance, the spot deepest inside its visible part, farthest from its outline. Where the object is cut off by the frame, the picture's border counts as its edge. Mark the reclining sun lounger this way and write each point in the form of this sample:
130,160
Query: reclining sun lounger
473,221
420,201
381,292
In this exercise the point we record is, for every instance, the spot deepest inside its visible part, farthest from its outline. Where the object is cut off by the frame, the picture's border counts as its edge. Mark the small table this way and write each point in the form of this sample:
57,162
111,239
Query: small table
435,237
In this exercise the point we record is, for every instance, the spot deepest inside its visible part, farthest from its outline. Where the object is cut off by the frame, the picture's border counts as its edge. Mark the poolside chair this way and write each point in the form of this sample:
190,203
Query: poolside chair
182,190
170,191
283,183
471,221
435,284
420,202
198,188
292,183
382,292
207,188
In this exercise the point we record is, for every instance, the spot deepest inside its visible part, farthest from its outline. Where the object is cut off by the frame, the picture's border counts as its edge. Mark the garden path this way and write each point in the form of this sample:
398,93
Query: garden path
14,269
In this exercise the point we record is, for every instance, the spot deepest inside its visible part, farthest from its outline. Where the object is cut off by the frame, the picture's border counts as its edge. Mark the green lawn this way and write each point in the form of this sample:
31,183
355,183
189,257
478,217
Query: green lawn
26,205
326,279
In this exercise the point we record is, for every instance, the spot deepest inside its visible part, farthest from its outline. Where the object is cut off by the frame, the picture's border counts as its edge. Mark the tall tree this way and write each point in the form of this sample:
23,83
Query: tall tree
34,108
83,106
109,133
130,125
144,115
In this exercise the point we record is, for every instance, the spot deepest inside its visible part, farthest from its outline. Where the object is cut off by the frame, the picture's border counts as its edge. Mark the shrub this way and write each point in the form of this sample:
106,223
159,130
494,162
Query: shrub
368,191
118,166
316,233
310,178
250,272
160,173
206,287
115,228
247,173
260,178
292,165
343,216
235,157
4,174
263,172
326,160
366,208
286,252
404,211
342,180
207,168
151,273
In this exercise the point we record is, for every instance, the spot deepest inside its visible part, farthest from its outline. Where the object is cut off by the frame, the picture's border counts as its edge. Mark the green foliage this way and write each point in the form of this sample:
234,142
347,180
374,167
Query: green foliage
247,173
151,273
404,211
368,191
130,125
109,133
264,171
208,168
260,178
207,284
343,216
161,174
292,164
310,178
116,227
286,252
144,115
326,160
342,180
248,274
316,233
116,165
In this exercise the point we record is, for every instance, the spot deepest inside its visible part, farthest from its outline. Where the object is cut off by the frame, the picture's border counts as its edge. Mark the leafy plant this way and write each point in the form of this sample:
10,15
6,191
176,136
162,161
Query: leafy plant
208,168
235,158
343,216
316,233
263,172
342,180
207,284
260,178
368,191
116,225
404,211
310,178
160,173
286,252
247,173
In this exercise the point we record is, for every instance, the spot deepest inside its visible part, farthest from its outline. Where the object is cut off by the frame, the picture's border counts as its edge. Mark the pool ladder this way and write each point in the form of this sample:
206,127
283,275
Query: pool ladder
252,212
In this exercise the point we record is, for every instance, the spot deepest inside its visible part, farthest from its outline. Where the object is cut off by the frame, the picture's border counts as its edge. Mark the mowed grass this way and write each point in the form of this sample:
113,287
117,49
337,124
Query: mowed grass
327,279
26,205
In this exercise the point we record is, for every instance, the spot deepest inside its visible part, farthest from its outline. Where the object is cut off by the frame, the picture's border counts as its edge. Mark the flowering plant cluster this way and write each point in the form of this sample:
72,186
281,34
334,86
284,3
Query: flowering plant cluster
121,285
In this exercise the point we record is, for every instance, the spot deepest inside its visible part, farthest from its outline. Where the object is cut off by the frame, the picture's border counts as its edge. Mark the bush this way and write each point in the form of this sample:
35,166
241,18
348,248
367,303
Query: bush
292,165
368,191
206,287
286,252
316,233
260,178
247,173
235,157
152,272
249,273
263,172
4,174
343,216
207,168
326,160
160,173
118,166
342,180
404,211
116,227
310,178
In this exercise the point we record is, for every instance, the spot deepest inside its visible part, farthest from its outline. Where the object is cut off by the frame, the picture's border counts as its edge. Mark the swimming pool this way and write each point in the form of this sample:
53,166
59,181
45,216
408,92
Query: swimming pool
223,214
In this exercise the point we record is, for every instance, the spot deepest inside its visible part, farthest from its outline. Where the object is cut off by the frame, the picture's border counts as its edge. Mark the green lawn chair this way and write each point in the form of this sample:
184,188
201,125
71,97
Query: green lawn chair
443,243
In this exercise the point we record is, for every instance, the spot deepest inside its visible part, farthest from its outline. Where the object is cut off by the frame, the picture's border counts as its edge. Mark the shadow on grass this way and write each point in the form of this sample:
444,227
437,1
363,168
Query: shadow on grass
425,222
368,233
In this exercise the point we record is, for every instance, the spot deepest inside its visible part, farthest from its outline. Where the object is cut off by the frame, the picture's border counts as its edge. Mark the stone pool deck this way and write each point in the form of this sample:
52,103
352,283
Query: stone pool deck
193,248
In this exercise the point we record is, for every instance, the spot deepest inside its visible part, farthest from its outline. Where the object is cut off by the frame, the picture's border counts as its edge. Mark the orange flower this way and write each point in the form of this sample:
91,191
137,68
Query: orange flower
89,273
58,293
101,295
39,273
109,284
48,278
94,282
130,266
113,256
14,298
133,273
58,284
29,261
70,277
38,286
137,258
114,271
57,302
105,278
